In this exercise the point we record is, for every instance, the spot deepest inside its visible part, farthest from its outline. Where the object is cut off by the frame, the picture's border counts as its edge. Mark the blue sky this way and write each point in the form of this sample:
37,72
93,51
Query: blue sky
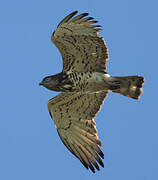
29,145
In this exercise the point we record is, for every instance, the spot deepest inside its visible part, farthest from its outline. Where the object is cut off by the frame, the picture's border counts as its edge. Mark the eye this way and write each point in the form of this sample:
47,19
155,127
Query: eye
47,79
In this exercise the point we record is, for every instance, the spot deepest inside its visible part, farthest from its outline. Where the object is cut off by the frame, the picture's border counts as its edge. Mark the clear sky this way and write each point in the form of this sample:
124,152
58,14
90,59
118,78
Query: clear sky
29,145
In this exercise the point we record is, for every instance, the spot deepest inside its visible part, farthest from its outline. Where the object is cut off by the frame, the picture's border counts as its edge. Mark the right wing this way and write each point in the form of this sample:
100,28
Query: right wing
73,116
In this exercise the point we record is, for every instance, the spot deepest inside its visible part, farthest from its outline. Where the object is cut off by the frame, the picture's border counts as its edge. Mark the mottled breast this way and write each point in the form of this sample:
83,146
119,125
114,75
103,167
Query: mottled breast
88,81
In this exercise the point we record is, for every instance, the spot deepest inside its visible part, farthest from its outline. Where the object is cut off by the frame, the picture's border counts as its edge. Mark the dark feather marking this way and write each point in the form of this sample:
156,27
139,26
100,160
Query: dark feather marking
67,29
70,42
69,125
73,39
50,114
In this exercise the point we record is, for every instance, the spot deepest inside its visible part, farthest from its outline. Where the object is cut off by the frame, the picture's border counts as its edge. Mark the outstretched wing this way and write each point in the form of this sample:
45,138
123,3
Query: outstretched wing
81,47
73,116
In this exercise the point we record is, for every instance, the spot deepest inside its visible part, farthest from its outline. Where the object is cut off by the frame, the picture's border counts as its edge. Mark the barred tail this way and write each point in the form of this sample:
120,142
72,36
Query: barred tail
130,86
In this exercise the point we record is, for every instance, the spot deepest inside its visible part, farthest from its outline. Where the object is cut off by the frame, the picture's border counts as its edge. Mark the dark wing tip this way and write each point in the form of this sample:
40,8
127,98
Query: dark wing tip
101,163
89,18
92,168
85,14
100,153
73,13
95,21
67,18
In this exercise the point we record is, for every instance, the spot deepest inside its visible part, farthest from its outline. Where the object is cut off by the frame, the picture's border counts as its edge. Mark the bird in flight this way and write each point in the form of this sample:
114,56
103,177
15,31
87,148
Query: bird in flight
84,84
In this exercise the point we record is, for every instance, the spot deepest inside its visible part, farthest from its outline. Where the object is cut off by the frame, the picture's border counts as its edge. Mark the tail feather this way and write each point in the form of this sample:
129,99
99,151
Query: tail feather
130,86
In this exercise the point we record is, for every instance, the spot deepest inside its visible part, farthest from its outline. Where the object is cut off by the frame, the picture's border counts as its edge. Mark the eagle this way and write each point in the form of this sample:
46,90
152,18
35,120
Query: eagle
84,84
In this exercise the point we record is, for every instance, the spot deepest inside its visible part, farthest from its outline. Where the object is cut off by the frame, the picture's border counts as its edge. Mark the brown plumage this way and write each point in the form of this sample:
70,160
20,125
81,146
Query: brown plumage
84,84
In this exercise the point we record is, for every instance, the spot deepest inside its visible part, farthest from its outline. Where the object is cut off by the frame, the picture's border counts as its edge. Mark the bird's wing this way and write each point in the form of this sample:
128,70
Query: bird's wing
73,116
81,47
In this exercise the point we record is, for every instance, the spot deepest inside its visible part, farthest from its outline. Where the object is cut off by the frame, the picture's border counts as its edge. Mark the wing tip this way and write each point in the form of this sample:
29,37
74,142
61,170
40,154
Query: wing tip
74,12
85,14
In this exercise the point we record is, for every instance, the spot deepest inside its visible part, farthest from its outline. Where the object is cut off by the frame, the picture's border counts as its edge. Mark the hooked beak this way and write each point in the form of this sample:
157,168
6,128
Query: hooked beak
41,83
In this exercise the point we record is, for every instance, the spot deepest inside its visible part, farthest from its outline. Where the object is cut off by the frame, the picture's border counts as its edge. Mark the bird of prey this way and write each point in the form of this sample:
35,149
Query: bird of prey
84,84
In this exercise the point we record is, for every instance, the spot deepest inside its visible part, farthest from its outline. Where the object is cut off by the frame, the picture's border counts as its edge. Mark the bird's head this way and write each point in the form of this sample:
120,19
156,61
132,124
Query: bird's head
52,82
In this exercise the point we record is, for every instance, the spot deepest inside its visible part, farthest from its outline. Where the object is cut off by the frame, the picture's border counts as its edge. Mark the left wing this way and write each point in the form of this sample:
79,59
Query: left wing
81,47
73,116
